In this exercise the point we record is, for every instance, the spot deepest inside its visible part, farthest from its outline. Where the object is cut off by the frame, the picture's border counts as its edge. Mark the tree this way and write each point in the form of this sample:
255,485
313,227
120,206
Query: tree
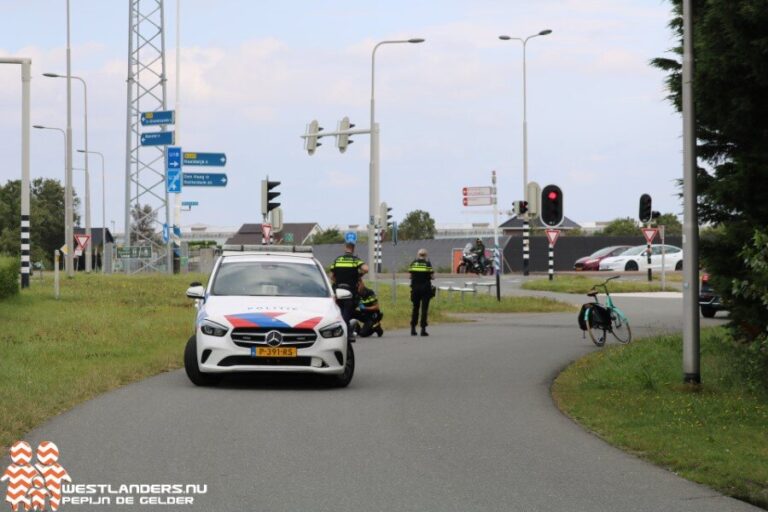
730,80
143,220
672,226
330,235
417,225
626,226
46,208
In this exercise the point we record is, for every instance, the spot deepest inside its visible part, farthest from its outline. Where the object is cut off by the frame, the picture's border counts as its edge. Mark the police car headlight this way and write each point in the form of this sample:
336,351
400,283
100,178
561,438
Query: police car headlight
332,331
210,328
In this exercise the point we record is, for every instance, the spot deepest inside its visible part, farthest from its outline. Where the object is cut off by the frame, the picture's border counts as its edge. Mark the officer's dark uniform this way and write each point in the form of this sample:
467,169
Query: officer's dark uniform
346,270
421,292
370,321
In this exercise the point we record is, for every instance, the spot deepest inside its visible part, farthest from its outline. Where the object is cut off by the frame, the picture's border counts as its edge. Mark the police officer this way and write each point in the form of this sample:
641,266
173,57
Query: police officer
346,271
368,314
421,290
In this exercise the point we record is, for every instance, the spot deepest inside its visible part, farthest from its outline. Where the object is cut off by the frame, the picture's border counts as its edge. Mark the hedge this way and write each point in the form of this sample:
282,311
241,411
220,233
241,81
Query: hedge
9,276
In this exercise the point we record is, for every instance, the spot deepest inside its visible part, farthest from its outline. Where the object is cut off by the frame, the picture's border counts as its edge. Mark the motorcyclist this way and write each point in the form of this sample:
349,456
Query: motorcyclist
368,313
479,250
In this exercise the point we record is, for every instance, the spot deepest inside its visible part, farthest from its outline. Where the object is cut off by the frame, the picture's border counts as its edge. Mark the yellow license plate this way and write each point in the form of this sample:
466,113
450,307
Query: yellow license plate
275,352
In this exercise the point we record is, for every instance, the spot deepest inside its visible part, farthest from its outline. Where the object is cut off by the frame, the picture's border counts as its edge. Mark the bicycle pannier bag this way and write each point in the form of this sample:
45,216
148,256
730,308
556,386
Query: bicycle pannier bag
599,317
582,319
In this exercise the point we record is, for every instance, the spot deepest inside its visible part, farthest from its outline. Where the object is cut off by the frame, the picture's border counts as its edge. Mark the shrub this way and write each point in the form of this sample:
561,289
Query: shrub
9,277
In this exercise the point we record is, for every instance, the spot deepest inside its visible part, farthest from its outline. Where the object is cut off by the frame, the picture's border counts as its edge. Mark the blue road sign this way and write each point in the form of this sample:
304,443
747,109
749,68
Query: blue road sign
189,203
208,159
173,170
159,117
350,237
157,138
204,179
165,233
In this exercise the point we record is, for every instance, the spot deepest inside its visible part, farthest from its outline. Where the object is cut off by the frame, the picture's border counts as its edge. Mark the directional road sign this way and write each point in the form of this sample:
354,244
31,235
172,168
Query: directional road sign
173,172
350,237
479,200
208,159
158,118
288,238
134,252
157,138
204,179
189,203
478,191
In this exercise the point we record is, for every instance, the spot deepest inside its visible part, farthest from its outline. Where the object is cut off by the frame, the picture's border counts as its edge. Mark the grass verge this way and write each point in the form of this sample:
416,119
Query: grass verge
582,284
107,331
633,397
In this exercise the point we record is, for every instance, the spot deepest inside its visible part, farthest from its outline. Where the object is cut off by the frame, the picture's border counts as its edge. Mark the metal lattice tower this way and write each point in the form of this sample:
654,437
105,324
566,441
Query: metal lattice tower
145,165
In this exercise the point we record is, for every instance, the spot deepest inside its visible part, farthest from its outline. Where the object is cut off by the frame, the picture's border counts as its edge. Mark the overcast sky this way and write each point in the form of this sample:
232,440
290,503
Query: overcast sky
254,73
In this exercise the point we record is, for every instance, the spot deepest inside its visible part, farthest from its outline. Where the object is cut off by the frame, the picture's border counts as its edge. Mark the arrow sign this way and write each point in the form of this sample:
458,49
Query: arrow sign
157,138
173,171
478,201
478,191
552,236
208,159
158,118
350,237
649,234
204,179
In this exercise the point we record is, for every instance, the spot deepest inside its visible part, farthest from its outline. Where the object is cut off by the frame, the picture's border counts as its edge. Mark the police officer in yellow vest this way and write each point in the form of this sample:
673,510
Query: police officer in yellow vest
346,271
421,290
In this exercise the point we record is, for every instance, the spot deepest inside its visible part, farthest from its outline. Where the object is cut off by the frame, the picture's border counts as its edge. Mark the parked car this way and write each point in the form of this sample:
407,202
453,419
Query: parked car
636,258
709,300
592,262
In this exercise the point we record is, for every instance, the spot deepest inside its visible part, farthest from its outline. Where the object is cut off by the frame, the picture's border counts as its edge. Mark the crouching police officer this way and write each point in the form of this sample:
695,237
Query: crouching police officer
421,290
346,271
368,314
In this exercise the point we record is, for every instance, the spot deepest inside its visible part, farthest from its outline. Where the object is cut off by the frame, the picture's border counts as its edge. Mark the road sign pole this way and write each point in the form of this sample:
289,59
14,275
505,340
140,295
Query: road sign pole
648,255
496,257
551,267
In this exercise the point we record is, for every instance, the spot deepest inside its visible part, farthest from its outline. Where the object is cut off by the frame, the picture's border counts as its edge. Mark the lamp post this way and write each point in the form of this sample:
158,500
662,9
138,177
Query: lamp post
26,65
526,232
87,173
103,208
373,207
66,216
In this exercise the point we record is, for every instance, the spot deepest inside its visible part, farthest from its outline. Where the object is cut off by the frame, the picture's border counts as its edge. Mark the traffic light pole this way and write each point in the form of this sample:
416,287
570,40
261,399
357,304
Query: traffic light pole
496,255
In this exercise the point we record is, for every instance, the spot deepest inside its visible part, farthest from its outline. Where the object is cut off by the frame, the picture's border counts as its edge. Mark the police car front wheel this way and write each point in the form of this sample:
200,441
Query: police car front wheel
197,377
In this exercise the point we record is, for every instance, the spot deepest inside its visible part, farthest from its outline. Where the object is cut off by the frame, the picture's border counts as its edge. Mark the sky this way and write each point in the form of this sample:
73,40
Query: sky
450,110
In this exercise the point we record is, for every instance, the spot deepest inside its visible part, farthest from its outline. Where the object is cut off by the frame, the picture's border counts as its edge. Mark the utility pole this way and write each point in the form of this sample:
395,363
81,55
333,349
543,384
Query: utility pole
691,328
68,206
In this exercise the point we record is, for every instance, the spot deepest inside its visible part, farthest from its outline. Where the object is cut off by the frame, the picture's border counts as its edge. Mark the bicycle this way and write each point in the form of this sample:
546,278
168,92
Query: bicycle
606,318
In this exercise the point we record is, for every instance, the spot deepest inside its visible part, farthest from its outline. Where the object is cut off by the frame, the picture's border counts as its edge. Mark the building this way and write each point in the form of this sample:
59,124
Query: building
293,233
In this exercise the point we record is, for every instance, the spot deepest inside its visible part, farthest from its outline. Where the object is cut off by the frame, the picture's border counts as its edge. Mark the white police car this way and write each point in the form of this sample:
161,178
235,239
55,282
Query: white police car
268,309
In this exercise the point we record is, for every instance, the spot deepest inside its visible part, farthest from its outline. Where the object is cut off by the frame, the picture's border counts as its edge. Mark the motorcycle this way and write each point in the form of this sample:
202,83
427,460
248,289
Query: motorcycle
470,262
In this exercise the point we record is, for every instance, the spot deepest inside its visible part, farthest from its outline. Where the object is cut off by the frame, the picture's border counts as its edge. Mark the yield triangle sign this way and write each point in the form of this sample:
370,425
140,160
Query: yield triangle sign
82,241
649,234
552,236
266,230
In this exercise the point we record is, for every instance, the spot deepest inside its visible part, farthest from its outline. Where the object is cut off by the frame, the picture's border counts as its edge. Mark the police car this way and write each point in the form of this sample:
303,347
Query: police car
268,309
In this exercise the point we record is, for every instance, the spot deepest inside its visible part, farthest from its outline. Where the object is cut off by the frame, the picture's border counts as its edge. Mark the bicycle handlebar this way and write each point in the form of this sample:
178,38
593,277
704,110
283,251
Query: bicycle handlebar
604,284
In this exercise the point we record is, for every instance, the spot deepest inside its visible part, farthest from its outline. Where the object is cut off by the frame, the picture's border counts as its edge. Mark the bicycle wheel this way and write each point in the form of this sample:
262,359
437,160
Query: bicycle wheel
596,334
620,328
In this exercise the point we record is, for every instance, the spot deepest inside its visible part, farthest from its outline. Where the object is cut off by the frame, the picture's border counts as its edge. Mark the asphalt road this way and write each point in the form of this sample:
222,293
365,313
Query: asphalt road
459,421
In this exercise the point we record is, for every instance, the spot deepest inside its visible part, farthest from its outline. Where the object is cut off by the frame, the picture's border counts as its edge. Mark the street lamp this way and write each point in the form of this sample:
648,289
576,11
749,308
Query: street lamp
67,217
526,232
87,174
373,206
103,198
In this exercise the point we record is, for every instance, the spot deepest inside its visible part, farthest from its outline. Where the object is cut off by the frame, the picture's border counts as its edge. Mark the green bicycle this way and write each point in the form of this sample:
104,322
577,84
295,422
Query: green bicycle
600,319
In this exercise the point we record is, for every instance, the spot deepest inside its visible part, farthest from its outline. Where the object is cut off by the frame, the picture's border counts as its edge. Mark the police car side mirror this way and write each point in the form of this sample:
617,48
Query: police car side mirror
342,294
196,292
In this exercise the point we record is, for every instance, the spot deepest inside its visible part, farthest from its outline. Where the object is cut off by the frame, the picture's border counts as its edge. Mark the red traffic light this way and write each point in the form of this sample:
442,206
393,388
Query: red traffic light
552,195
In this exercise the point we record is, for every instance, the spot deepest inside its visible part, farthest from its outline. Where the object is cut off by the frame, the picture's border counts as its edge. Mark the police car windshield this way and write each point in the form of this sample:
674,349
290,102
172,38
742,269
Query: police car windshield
269,279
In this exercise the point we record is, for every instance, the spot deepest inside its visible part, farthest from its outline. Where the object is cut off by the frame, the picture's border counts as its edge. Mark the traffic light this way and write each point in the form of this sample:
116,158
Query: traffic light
313,134
523,207
385,215
267,195
646,213
552,205
342,139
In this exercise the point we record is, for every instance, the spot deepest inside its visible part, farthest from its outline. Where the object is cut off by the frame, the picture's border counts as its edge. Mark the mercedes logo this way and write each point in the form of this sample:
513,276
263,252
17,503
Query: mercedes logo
274,338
